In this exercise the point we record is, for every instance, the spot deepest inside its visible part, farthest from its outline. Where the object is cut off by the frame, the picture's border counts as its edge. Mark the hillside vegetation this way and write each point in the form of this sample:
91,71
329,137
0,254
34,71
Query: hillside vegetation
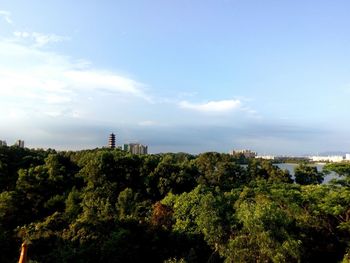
106,205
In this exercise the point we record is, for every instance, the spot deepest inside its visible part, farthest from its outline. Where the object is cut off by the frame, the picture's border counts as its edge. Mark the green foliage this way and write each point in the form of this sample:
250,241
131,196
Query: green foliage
72,204
265,234
175,260
220,170
107,205
305,174
342,169
262,169
130,207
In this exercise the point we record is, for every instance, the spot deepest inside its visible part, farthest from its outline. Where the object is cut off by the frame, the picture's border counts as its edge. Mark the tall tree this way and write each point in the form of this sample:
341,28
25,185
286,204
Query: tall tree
305,174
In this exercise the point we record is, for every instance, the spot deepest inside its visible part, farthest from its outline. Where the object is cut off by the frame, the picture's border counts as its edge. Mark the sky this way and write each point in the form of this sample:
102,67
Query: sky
177,75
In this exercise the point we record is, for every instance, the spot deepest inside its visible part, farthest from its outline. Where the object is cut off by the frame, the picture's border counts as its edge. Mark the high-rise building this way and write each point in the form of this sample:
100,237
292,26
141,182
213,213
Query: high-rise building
19,143
111,141
136,148
3,143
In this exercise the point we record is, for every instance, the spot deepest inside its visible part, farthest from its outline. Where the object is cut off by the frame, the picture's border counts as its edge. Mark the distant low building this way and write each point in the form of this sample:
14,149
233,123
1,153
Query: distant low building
136,148
246,153
19,143
265,157
3,143
347,156
330,158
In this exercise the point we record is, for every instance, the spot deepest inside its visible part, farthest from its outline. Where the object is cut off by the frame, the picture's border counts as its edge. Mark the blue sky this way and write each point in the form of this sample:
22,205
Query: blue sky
193,76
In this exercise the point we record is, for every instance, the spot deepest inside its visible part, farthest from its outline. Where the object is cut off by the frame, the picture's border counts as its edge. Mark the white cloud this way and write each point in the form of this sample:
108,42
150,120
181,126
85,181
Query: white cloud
147,123
104,80
40,39
6,15
42,83
21,34
220,106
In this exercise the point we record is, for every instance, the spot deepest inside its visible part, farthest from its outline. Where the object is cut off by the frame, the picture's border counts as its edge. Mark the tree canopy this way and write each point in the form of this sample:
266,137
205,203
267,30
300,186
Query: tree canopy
107,205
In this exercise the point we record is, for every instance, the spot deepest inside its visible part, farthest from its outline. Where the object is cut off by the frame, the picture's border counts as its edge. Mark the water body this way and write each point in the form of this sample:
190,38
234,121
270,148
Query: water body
290,167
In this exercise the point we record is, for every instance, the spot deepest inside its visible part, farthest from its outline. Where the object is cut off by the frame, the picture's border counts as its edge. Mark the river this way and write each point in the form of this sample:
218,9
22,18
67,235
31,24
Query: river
290,167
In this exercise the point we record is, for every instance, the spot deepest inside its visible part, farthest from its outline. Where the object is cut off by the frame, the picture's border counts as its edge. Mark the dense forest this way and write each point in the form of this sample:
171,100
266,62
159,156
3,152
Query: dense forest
107,205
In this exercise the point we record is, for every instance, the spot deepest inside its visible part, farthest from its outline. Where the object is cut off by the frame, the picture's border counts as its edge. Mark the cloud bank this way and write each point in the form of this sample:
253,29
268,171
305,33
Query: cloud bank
39,39
6,15
221,106
39,81
58,101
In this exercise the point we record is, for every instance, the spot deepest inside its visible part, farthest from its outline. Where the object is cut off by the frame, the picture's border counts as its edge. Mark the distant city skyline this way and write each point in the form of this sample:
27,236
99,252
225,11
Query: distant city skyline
179,76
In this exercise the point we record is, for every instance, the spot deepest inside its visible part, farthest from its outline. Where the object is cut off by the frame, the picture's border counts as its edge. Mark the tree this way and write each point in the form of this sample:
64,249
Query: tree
264,169
342,169
265,234
305,174
220,170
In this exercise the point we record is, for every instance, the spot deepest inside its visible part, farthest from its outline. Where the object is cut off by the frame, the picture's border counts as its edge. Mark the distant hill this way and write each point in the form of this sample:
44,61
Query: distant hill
333,153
